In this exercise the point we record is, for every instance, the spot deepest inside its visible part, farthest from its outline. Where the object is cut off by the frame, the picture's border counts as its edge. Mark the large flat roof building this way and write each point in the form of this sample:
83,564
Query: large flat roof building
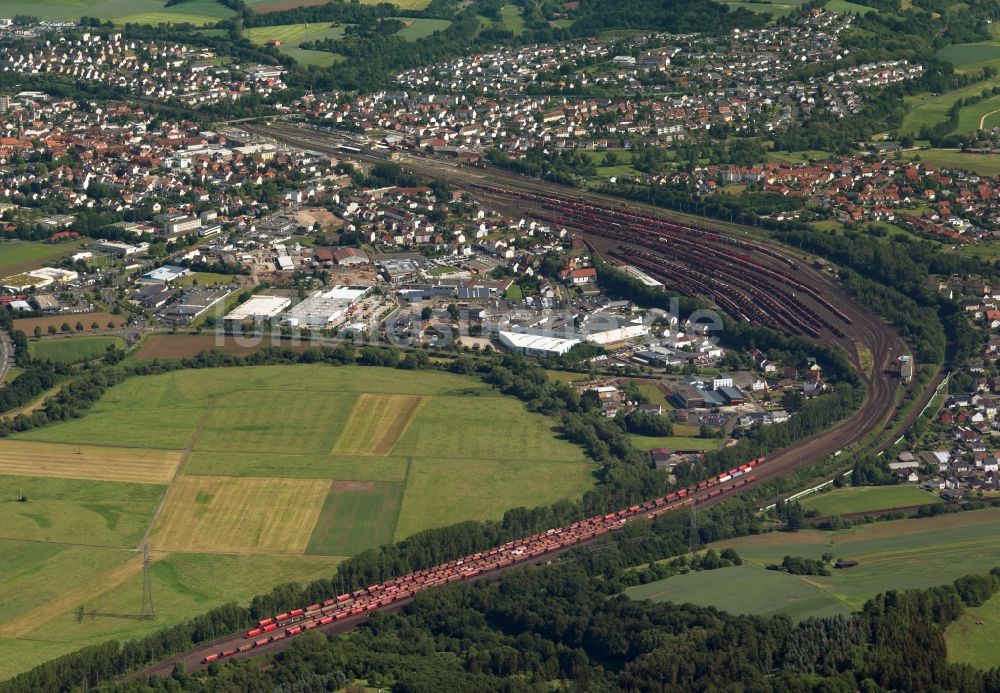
258,309
536,345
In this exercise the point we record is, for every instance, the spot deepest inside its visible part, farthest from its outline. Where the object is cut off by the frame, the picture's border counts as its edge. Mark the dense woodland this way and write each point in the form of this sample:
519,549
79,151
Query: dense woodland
534,628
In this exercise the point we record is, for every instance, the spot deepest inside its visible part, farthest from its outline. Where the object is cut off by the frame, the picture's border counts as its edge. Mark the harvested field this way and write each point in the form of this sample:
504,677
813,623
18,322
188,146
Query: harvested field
167,347
239,515
24,458
265,6
376,423
28,325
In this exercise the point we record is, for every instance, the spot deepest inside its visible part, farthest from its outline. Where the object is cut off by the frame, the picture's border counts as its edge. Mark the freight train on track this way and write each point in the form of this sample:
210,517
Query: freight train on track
344,606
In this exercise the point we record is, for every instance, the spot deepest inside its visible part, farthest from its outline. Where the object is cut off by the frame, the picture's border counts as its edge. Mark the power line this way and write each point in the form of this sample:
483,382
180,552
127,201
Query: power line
147,613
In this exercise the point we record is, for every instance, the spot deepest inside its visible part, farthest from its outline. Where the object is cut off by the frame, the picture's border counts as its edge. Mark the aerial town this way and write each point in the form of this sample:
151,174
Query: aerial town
437,345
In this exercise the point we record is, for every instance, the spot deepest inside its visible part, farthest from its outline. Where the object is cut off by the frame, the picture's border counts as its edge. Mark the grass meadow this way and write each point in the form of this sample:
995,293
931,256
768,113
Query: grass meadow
904,554
972,642
864,498
197,12
21,256
73,349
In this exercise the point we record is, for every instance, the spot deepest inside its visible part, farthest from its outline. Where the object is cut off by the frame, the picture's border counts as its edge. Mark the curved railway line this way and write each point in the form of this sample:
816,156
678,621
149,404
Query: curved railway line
752,280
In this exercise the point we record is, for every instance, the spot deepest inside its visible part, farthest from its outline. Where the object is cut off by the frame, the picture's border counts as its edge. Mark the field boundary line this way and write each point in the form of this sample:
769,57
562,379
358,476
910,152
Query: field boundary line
185,455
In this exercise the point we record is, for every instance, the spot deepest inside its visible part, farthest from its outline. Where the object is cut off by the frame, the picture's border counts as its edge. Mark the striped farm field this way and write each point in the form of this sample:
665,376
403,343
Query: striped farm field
182,346
375,424
23,458
243,515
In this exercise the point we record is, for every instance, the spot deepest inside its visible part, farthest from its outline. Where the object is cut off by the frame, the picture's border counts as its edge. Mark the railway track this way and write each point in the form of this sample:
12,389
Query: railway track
761,288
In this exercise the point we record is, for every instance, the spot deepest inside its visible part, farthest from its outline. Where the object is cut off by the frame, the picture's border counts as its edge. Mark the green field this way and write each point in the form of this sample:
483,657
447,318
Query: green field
288,423
864,498
930,109
75,511
21,256
44,585
845,7
355,517
261,496
421,27
120,11
511,19
983,164
291,35
775,9
905,554
971,642
73,349
259,5
971,57
745,589
675,442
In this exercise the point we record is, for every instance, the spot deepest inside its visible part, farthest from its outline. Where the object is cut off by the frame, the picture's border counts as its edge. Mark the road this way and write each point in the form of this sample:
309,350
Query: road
864,329
7,360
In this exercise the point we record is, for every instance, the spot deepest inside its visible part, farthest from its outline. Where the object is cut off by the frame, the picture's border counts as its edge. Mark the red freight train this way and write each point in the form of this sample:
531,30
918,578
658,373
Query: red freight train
523,550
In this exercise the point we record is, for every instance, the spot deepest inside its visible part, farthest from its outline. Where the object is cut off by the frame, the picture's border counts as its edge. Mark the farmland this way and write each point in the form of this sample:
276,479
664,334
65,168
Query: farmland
864,498
264,6
264,474
73,349
205,278
42,585
74,511
904,554
21,256
87,462
121,11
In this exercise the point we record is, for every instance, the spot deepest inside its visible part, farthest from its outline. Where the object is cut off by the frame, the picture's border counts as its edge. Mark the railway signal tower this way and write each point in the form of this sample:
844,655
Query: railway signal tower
147,613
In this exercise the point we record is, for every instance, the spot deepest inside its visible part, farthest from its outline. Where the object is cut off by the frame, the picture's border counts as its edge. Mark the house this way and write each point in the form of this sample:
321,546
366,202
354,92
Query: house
584,275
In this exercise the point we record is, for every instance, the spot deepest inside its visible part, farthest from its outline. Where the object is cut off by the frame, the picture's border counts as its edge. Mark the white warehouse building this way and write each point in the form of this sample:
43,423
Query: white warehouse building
326,308
258,309
536,345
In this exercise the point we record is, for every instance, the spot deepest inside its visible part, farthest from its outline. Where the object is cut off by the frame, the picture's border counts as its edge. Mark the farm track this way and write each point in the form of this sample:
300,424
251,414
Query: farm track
743,276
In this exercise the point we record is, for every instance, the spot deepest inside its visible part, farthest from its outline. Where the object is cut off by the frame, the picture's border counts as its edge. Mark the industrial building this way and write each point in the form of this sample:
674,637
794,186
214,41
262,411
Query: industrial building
164,275
257,309
326,308
607,328
536,345
122,249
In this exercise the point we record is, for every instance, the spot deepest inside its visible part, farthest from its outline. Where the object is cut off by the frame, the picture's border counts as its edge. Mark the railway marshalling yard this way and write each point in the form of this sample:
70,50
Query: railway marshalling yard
239,478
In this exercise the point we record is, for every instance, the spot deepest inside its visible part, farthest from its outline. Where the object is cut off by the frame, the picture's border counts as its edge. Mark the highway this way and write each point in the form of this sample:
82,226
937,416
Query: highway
844,324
